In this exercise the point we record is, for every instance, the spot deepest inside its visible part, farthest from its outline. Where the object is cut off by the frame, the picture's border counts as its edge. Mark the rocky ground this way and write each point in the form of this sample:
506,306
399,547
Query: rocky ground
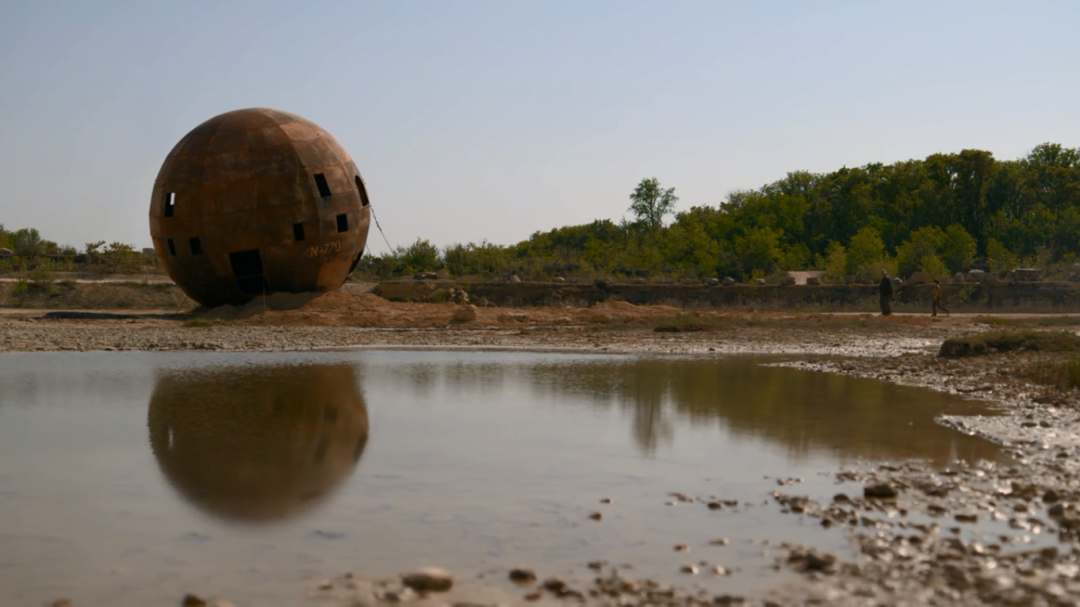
1003,532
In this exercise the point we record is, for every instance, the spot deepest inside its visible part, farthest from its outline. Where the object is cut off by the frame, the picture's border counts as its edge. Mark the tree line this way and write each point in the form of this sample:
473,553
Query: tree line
943,214
32,252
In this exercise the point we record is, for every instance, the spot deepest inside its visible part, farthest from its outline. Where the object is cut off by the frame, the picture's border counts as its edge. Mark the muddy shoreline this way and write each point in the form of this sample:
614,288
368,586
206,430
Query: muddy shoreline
911,529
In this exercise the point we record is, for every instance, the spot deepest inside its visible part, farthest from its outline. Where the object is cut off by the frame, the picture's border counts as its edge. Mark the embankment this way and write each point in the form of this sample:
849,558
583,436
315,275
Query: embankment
93,295
1003,297
985,297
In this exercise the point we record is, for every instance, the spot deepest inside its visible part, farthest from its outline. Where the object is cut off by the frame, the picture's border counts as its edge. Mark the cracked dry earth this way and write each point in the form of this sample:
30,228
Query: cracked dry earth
991,532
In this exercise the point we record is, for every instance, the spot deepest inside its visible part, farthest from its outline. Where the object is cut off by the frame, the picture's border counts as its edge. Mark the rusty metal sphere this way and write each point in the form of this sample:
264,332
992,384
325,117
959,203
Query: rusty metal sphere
258,201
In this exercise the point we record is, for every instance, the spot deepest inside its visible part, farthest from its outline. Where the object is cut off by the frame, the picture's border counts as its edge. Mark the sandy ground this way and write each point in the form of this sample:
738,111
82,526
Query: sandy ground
907,527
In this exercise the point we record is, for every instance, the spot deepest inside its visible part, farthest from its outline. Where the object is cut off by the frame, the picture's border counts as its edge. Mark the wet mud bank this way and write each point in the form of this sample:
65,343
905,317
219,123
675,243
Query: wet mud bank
986,532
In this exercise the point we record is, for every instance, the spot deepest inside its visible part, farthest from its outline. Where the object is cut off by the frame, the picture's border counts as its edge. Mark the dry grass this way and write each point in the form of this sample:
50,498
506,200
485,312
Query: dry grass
203,322
1006,341
1061,374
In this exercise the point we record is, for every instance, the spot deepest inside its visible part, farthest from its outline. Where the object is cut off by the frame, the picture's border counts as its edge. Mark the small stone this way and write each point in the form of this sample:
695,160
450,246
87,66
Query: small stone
555,585
533,596
689,569
465,313
812,560
1051,496
190,600
715,505
682,548
596,516
841,497
429,579
880,491
326,585
720,570
522,575
399,596
597,565
1056,511
605,500
720,542
966,518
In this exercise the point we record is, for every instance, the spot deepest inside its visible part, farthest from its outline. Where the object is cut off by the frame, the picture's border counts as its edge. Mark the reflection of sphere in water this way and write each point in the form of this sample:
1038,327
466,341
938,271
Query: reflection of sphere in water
258,443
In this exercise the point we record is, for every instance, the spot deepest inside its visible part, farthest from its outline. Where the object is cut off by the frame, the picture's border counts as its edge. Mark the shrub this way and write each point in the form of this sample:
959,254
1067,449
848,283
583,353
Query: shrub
42,276
687,323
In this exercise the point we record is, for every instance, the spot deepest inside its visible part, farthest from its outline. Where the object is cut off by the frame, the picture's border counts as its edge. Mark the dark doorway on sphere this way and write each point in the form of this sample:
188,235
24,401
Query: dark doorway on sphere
247,268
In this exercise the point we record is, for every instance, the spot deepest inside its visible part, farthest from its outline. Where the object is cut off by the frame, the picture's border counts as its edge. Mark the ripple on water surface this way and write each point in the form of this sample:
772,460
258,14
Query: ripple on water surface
130,476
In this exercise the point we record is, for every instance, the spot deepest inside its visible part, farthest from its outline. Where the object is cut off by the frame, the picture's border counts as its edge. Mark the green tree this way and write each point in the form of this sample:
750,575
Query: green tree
998,257
27,242
484,259
420,256
835,262
957,249
758,250
688,247
650,203
920,252
865,249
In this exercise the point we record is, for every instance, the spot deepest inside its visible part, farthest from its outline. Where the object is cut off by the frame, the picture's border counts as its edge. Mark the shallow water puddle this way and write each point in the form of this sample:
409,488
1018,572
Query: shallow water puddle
142,476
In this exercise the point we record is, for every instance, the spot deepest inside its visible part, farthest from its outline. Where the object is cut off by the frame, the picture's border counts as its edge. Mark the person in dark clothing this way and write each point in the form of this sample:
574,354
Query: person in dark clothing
937,299
885,290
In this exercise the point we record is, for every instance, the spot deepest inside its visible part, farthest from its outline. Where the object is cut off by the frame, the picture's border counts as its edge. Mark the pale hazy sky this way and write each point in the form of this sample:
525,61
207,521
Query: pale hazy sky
495,119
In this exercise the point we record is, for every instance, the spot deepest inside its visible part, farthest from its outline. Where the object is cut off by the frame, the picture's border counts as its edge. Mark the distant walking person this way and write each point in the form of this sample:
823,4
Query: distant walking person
937,299
885,290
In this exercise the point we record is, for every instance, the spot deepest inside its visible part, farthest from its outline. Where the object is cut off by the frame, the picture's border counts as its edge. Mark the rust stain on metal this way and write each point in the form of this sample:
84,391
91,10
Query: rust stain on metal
258,201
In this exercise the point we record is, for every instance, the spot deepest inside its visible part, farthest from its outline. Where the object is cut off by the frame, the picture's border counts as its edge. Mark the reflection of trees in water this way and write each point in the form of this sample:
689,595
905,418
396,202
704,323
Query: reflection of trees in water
425,379
799,409
802,410
258,443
